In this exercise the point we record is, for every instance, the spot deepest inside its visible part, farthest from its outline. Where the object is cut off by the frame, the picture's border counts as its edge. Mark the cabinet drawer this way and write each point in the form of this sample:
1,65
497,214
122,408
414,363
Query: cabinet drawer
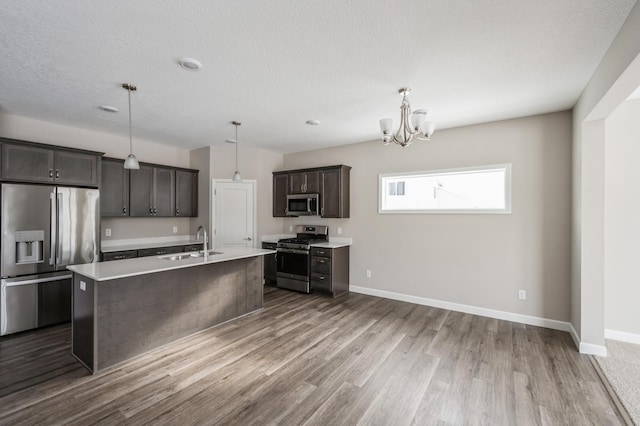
193,247
323,252
320,281
118,255
159,251
321,264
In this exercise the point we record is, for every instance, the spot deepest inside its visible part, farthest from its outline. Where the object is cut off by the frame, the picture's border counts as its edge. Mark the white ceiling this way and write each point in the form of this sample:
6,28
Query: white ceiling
273,64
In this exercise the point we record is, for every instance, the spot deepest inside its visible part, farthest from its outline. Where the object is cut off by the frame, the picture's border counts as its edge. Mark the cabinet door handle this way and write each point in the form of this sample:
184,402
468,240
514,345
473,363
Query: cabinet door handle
177,212
124,209
321,278
50,174
248,239
320,261
151,210
322,211
57,173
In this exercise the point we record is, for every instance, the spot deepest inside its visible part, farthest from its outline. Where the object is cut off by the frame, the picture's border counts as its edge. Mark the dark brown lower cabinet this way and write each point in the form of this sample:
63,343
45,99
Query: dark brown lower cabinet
270,265
155,251
330,270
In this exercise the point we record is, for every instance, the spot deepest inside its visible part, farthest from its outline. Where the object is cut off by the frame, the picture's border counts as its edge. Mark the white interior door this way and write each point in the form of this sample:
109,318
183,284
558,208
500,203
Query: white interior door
234,210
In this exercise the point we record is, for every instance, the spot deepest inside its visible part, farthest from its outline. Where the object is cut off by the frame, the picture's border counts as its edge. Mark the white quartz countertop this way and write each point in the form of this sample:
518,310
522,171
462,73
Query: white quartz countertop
331,244
143,244
105,271
334,242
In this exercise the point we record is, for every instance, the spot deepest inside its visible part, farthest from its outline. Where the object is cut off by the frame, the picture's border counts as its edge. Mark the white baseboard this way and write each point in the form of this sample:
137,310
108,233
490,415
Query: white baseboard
468,309
622,336
591,349
574,335
584,348
587,348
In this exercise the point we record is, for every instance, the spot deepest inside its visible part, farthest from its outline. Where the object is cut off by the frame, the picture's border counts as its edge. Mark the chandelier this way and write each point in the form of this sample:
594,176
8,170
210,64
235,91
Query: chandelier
413,126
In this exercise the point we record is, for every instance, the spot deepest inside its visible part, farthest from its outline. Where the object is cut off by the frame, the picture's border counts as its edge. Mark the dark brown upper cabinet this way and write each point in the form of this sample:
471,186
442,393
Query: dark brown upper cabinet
304,182
331,182
335,192
186,193
280,191
31,162
114,193
152,191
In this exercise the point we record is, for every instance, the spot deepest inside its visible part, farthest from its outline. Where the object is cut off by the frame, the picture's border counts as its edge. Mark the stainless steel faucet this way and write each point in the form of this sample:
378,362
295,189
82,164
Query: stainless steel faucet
206,239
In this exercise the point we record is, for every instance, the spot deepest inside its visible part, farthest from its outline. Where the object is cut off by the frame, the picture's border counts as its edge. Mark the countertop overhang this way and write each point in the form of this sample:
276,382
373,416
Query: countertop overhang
105,271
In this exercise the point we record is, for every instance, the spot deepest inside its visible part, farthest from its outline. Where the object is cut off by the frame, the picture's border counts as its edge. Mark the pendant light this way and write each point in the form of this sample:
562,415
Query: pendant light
131,162
236,174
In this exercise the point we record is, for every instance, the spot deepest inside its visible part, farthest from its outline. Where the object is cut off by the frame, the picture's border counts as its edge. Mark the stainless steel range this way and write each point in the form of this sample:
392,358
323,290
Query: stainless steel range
293,257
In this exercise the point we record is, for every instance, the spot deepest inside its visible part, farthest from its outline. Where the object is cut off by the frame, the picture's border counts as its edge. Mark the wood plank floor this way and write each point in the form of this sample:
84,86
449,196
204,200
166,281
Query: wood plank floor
308,359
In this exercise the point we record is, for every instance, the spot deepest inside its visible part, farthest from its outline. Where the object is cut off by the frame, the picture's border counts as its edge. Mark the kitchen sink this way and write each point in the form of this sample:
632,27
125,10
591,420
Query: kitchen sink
191,255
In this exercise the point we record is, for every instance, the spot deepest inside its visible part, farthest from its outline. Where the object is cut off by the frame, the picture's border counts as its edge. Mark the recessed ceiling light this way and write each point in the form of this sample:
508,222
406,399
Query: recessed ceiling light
190,64
109,108
312,122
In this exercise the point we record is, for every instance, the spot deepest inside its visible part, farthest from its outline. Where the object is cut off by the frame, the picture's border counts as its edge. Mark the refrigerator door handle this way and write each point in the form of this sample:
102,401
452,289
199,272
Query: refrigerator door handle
60,206
36,281
54,223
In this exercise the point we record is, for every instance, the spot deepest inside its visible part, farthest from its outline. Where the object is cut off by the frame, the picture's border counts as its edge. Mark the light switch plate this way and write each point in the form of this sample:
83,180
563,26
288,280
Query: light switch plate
83,286
107,232
175,229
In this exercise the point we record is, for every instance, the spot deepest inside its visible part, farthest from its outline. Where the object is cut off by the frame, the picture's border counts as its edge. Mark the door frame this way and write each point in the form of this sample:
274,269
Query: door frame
214,182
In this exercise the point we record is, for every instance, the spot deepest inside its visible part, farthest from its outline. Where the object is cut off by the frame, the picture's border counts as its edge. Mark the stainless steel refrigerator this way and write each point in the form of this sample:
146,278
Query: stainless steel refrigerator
44,229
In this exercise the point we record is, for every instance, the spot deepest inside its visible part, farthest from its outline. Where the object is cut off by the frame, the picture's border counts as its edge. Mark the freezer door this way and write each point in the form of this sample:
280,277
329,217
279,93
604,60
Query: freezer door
34,301
18,306
77,227
27,214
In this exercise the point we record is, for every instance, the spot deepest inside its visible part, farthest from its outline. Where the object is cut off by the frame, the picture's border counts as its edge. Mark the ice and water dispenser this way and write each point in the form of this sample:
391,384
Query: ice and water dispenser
29,247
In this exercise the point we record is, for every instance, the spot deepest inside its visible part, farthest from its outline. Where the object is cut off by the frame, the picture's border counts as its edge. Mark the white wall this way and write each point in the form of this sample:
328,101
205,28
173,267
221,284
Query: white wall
615,78
477,260
253,164
622,219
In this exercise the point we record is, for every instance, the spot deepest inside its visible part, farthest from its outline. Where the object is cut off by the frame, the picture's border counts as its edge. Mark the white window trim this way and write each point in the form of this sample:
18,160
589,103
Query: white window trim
507,190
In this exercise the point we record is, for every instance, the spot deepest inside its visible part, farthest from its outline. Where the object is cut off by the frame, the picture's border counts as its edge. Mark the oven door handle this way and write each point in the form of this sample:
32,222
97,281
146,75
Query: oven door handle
285,250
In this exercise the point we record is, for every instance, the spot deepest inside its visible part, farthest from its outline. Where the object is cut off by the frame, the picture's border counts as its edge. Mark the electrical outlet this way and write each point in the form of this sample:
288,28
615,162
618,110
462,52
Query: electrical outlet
175,229
368,273
83,286
339,231
107,232
522,294
290,228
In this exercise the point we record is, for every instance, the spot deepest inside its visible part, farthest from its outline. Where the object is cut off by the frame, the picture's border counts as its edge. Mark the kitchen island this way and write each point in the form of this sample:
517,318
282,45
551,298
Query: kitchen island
125,308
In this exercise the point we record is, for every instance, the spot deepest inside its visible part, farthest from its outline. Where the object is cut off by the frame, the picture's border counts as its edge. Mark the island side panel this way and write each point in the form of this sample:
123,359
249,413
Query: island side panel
83,325
140,313
254,293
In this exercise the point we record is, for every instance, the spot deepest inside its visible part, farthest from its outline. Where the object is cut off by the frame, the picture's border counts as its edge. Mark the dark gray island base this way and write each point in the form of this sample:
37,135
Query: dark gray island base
121,318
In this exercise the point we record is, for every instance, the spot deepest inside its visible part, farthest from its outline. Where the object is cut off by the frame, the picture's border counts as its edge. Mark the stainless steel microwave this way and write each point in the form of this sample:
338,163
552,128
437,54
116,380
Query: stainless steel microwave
303,205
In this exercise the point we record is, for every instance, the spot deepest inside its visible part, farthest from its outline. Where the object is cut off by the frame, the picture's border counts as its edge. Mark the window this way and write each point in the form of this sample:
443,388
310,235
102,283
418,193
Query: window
484,189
